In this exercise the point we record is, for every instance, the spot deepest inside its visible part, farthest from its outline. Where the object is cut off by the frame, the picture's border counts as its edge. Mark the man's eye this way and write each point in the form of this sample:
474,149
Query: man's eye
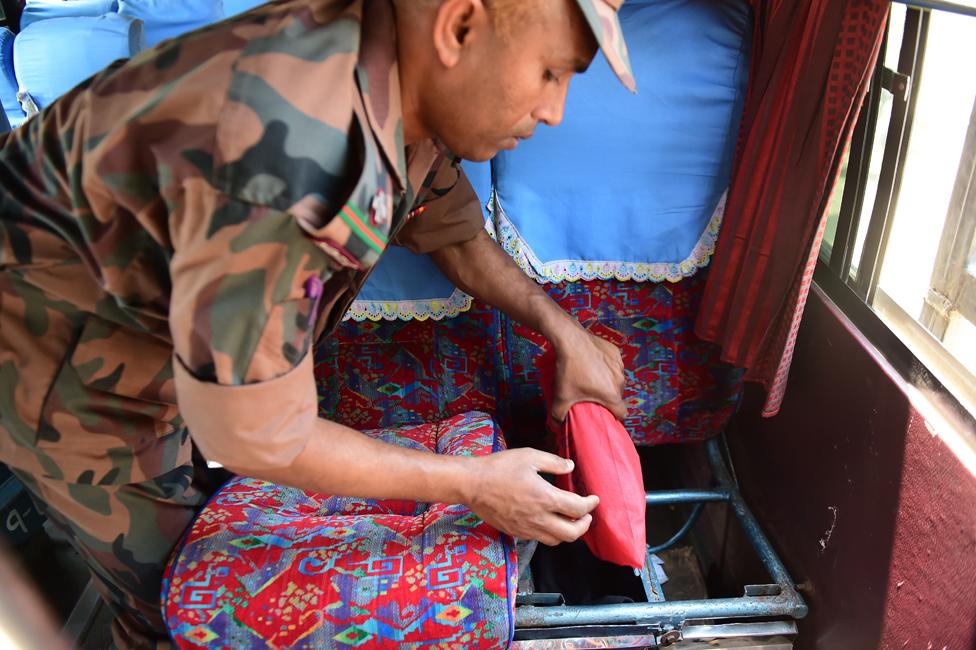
549,76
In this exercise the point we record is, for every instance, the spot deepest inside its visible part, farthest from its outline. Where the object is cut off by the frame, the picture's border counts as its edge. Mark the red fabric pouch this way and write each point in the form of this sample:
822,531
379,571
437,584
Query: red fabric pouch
607,465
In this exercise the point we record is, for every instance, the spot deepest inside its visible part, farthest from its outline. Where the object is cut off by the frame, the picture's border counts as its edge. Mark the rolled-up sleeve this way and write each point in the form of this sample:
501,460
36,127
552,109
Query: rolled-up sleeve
452,214
244,302
255,426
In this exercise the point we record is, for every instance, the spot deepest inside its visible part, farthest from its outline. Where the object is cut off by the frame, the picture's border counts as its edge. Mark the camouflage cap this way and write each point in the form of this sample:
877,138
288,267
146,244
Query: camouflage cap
602,18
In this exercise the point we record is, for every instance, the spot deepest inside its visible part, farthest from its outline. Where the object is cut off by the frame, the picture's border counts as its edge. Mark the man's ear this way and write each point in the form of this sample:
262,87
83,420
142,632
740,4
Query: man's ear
457,24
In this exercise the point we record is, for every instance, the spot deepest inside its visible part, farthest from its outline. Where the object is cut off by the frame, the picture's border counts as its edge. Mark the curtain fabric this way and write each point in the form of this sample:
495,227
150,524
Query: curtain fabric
812,63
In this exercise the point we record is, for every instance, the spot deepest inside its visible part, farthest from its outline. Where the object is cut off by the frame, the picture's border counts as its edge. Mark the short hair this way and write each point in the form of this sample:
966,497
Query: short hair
506,15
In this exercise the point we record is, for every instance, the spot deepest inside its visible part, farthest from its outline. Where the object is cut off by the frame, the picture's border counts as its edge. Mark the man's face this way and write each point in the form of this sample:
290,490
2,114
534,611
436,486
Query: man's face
507,82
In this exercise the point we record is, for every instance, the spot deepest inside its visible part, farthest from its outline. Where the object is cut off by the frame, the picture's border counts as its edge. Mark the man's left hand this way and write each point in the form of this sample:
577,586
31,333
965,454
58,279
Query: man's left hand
588,369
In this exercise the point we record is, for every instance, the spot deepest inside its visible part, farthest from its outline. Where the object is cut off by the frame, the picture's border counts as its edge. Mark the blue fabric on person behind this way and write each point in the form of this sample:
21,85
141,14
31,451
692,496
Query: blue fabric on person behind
13,113
402,275
636,178
36,10
170,18
234,7
53,56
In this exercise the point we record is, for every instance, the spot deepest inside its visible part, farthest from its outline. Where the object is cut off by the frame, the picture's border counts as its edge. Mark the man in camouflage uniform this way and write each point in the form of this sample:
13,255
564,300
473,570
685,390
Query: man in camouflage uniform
176,232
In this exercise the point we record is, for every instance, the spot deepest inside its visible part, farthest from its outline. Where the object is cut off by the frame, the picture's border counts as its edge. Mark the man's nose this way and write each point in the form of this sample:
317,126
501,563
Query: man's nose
550,111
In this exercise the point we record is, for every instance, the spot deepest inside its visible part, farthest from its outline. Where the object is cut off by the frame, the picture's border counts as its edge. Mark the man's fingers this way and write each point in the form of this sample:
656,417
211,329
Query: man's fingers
551,463
559,411
580,526
619,410
574,506
566,530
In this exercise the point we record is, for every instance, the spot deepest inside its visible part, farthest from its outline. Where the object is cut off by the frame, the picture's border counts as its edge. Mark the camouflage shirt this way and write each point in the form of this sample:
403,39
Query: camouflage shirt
178,230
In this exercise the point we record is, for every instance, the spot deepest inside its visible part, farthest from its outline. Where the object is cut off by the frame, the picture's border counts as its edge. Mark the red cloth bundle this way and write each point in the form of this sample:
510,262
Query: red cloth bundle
607,465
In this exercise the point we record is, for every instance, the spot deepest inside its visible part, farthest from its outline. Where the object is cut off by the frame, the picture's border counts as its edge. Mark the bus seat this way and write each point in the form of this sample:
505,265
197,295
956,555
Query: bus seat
677,390
36,10
630,186
234,7
169,18
270,566
13,113
86,44
395,372
615,213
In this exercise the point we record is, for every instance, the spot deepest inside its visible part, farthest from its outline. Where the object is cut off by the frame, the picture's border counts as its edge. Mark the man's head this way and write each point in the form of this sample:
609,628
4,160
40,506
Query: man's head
481,74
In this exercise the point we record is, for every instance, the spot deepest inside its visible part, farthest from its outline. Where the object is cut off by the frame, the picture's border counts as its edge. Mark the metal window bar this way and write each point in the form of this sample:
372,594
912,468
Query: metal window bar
777,600
842,252
904,93
940,5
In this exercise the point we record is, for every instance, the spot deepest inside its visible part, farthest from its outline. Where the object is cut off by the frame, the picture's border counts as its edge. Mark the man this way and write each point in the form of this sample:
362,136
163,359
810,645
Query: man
177,232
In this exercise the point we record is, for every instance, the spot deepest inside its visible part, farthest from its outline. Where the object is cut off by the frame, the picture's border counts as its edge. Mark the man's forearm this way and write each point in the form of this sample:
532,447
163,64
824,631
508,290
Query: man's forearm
482,269
343,462
504,489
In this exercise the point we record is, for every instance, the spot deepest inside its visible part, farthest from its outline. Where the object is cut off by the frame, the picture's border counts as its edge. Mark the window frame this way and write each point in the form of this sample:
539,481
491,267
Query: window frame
10,15
953,284
855,292
898,136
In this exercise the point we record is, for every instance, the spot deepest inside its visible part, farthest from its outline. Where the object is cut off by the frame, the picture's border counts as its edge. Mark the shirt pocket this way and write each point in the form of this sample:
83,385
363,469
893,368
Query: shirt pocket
283,133
355,236
37,332
330,176
111,414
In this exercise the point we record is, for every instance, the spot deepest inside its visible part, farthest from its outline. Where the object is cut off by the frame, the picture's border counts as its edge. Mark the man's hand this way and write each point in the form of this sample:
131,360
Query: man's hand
588,369
507,492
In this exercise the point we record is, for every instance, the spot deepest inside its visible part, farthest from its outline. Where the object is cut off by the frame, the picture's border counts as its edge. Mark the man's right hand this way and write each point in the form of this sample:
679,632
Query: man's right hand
504,489
507,492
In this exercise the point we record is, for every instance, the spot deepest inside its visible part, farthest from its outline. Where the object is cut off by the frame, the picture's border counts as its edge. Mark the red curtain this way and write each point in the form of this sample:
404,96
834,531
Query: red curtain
812,61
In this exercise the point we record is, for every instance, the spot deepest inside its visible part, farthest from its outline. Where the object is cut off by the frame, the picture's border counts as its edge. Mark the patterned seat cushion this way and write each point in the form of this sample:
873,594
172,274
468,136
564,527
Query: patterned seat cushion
270,566
391,373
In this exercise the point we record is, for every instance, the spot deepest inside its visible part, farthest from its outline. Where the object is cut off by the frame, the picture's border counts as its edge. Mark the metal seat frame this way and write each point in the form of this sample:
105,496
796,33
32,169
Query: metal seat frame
763,611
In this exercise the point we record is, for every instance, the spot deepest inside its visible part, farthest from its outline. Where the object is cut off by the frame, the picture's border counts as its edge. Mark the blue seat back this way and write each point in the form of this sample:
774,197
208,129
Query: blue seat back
85,45
13,113
165,19
36,10
234,7
636,178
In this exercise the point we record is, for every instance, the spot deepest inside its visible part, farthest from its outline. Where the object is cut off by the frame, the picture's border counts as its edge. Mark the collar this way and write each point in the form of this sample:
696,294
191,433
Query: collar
378,76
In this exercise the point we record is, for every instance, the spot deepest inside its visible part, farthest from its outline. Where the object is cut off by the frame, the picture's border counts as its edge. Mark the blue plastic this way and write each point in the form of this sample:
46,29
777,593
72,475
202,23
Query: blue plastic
170,18
36,10
84,46
636,178
13,113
